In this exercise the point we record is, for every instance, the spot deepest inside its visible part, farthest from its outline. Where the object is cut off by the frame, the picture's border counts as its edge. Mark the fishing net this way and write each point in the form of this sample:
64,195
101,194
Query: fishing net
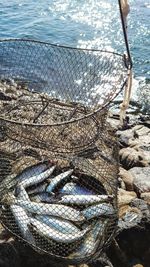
58,155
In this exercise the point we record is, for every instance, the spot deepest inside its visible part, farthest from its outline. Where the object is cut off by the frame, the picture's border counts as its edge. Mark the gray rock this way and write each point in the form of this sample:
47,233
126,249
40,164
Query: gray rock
114,123
121,183
130,157
143,207
141,179
130,219
142,142
146,197
125,136
147,123
127,178
125,197
138,136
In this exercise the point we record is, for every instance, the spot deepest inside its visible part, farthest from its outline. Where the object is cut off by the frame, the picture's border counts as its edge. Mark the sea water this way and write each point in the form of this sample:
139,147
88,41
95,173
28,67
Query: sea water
83,24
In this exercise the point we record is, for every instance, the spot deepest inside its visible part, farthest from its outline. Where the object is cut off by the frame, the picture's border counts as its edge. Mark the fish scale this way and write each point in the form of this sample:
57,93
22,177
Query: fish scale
32,171
50,215
75,189
56,181
37,178
22,220
84,199
57,210
62,225
102,209
51,233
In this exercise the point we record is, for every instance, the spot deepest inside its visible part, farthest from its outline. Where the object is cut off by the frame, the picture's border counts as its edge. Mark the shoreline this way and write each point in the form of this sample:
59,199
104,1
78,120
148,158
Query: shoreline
133,198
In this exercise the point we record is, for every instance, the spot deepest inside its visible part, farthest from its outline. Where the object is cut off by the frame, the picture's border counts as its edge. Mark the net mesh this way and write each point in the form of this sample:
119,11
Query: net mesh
58,155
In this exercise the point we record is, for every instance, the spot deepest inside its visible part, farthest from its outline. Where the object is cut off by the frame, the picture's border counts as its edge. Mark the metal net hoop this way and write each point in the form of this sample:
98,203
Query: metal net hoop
98,174
92,78
63,90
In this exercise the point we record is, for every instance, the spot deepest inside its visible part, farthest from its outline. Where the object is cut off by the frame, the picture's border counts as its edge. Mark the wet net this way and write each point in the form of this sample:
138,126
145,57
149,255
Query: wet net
58,155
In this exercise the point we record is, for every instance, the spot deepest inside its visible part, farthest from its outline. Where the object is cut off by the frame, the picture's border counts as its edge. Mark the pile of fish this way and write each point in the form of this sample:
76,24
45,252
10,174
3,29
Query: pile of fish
54,212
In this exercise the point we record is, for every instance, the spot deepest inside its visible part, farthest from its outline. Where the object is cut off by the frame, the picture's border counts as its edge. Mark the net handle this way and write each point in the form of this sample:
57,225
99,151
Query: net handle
124,9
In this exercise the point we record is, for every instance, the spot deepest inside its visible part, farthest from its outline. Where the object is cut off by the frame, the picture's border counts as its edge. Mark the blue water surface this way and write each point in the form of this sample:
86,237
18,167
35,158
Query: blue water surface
81,24
84,23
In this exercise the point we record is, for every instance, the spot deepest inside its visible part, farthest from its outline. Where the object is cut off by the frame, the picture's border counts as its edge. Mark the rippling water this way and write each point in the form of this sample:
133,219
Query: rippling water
82,23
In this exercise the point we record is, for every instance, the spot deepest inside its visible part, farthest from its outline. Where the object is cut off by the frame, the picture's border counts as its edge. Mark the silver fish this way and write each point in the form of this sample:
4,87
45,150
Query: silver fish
43,197
37,178
22,220
60,225
91,241
58,180
57,210
102,209
75,189
38,189
84,199
51,233
88,247
22,194
100,229
32,171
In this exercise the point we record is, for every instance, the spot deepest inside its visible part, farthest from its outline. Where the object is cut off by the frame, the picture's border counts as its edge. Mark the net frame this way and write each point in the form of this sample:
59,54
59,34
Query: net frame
20,132
80,111
87,168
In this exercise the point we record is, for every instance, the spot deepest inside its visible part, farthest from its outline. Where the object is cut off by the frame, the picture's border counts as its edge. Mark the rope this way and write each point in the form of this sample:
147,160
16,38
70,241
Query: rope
124,10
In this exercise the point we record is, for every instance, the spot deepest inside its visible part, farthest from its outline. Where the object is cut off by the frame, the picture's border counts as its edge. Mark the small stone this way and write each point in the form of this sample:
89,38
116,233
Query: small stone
130,157
143,207
125,136
141,130
127,178
123,210
127,208
131,218
121,183
147,123
146,197
138,132
138,265
113,123
141,179
125,197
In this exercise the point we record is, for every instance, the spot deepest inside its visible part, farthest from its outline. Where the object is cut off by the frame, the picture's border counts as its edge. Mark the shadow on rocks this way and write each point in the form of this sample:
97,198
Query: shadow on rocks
9,256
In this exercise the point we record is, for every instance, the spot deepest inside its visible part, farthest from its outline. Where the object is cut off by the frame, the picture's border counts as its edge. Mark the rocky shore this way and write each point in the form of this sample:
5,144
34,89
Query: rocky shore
133,235
131,244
